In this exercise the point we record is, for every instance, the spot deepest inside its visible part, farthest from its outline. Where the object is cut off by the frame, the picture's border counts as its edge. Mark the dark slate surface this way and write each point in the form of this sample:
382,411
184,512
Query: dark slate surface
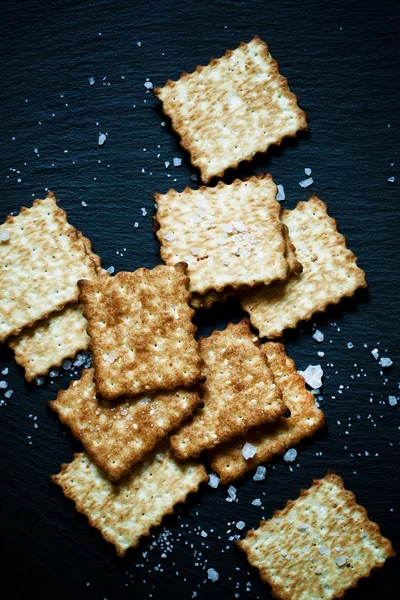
342,60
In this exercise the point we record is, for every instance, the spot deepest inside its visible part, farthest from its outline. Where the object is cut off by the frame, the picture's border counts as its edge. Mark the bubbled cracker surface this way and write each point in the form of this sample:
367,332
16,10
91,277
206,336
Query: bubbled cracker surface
239,392
230,235
269,440
140,329
330,273
40,265
300,549
232,108
126,512
49,342
117,436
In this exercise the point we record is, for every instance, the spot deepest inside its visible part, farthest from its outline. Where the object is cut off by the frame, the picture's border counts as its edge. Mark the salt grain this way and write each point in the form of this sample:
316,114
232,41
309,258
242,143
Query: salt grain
385,362
39,381
231,493
248,451
259,475
148,85
212,574
3,385
102,138
109,357
281,193
5,371
350,345
341,560
110,270
307,171
177,162
375,353
391,179
318,336
91,80
4,235
392,400
290,455
213,480
306,182
313,376
240,525
256,502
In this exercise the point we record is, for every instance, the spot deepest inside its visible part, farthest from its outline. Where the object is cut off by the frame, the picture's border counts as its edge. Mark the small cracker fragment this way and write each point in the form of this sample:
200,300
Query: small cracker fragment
330,273
239,392
40,264
51,341
319,546
141,333
229,235
305,419
117,436
125,513
232,108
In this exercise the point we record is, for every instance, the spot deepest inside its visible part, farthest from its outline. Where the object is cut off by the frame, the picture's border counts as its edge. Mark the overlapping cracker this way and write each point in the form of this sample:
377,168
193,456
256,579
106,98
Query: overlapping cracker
229,235
40,264
141,333
239,392
269,440
51,341
117,436
330,273
232,108
319,546
125,513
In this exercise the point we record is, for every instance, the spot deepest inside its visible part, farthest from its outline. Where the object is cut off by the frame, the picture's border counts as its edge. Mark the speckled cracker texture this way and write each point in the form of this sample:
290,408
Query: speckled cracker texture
239,392
317,547
40,265
232,108
141,333
117,436
125,513
51,341
330,273
229,235
269,440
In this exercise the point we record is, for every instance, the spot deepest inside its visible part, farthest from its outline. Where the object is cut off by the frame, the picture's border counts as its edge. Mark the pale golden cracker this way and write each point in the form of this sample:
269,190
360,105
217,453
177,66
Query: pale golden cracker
40,265
141,333
229,235
319,546
232,108
125,513
305,419
330,273
117,436
239,392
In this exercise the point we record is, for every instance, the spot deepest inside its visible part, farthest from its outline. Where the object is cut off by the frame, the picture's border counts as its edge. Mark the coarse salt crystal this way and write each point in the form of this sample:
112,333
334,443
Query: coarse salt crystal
321,354
231,493
203,534
307,171
67,364
4,235
290,455
281,193
3,385
53,373
323,550
109,357
144,400
259,475
213,480
306,182
148,85
313,376
102,138
167,163
240,525
110,270
385,362
375,353
177,162
228,228
256,502
8,393
341,560
160,456
169,237
391,179
212,574
248,451
318,571
5,371
318,336
91,80
39,381
144,212
240,227
392,400
350,345
139,44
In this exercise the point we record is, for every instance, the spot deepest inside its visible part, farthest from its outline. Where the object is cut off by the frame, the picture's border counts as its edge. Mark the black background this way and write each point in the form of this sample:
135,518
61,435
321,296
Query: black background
342,61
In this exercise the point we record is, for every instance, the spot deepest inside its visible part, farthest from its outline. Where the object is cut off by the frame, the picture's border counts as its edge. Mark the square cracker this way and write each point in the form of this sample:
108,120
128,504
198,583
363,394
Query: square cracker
239,392
232,108
330,273
141,333
125,513
49,342
305,418
117,436
229,235
319,546
40,264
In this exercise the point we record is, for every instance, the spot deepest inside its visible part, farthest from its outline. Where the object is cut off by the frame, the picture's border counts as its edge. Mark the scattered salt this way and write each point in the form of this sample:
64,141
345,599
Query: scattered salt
177,162
148,85
102,138
375,353
39,380
391,179
392,400
256,502
313,376
281,193
139,44
53,373
4,235
213,480
240,525
306,182
169,237
321,354
167,163
3,385
203,534
231,494
110,270
5,371
8,393
67,364
83,203
91,80
385,362
259,475
290,455
212,574
307,171
318,336
240,227
350,345
323,550
341,560
248,451
109,357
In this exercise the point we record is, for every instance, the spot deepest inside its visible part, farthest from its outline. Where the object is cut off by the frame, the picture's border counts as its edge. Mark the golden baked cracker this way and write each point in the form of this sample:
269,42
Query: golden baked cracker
141,333
42,257
126,512
319,546
229,235
49,342
305,418
117,436
239,392
330,273
232,108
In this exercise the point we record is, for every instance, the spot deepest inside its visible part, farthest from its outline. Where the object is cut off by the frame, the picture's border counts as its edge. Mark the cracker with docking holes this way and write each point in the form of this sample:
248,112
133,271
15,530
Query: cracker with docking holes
239,392
48,343
229,235
318,546
330,273
126,512
232,108
117,436
141,333
42,257
305,419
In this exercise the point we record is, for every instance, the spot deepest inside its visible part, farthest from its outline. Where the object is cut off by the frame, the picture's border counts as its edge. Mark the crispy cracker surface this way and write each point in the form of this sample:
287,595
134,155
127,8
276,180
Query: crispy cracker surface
305,418
40,265
232,108
229,235
319,546
141,333
126,512
51,341
117,436
330,273
239,392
